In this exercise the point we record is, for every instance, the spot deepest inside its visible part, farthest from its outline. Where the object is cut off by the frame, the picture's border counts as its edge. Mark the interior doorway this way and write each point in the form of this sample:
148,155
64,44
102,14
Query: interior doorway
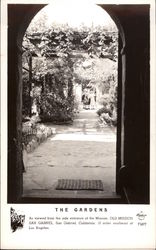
70,99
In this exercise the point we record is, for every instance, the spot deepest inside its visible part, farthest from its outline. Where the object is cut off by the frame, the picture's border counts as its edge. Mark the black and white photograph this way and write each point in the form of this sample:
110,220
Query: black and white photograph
79,117
78,103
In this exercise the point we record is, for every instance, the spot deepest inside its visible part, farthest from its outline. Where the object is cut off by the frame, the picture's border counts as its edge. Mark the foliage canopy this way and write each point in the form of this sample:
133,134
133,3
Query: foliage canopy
59,56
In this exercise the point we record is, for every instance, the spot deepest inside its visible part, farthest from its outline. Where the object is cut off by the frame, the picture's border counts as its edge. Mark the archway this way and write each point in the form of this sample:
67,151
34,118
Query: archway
96,67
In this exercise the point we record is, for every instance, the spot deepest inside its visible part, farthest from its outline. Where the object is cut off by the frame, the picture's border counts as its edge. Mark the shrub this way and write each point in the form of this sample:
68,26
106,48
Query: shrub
54,108
101,111
108,114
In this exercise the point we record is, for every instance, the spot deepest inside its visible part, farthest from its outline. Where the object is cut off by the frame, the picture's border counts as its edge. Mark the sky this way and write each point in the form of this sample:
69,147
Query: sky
74,13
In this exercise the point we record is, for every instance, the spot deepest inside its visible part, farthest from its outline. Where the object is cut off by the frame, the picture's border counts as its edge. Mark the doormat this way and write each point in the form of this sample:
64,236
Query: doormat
70,184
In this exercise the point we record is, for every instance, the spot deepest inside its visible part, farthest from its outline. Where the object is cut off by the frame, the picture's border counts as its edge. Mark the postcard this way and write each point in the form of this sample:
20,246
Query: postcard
78,124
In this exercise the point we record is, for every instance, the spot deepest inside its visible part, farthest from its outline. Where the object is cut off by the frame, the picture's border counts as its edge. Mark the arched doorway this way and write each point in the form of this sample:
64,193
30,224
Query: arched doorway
16,33
84,149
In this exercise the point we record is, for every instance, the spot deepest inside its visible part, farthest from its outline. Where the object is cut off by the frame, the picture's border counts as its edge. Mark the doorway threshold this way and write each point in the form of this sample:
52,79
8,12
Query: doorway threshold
71,196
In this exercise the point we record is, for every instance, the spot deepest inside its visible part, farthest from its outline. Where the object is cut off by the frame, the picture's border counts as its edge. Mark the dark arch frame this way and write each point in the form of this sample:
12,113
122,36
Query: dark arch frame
132,176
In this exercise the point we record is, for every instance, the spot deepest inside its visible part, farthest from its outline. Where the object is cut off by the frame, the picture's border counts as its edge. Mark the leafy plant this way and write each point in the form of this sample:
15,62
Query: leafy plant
56,59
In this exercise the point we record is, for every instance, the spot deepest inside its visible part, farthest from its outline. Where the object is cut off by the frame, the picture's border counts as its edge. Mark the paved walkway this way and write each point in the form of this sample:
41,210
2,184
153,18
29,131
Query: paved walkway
83,150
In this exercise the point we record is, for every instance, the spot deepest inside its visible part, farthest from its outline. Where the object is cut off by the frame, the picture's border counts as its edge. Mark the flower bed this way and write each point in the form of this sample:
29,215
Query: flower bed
33,134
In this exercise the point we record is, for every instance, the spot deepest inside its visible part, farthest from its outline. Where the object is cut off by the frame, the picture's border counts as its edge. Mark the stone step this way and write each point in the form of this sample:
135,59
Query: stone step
84,196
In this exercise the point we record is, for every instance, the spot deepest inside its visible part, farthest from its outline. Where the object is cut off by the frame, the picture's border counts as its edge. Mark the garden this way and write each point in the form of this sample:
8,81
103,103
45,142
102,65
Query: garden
55,59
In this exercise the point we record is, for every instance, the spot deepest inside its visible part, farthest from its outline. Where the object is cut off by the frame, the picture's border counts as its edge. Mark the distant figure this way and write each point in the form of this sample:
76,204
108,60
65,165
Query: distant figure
85,100
92,100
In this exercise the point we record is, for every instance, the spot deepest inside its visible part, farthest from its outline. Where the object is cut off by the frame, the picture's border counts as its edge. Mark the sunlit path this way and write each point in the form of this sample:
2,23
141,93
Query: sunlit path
84,137
83,150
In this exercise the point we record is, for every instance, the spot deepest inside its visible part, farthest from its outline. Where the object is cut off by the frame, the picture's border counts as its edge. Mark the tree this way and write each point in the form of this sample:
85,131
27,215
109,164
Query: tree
55,58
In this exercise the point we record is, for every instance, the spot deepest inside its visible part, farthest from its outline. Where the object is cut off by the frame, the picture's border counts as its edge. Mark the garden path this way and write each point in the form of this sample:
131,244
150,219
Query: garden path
83,150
